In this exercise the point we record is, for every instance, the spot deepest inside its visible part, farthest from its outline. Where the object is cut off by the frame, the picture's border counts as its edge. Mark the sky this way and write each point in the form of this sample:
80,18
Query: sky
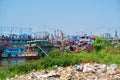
70,16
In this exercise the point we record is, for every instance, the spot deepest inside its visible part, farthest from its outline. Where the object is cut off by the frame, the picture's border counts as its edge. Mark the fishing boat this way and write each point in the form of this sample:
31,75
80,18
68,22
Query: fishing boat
32,50
14,41
30,53
16,46
40,46
79,43
19,52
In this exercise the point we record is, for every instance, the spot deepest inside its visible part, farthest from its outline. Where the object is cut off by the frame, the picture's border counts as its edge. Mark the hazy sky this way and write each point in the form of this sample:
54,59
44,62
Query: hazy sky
71,16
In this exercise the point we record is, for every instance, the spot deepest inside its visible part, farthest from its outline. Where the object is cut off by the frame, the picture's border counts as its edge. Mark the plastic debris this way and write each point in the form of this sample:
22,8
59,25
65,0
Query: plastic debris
48,78
79,68
113,66
33,76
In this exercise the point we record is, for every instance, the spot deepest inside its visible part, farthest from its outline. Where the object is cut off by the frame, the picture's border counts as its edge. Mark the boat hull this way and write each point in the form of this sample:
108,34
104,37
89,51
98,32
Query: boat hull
25,57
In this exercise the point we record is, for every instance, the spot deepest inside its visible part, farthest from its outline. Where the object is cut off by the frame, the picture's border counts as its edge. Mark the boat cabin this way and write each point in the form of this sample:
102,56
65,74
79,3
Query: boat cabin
12,52
45,45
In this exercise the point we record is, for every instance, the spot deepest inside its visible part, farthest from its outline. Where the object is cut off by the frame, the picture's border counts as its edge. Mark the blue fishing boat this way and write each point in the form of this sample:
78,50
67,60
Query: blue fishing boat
10,52
19,52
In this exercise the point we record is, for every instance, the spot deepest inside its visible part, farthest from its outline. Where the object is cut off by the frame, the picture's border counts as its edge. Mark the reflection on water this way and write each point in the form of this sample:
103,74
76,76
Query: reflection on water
7,62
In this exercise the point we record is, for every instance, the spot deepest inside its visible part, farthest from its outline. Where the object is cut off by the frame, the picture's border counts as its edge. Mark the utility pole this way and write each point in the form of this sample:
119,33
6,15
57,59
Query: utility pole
116,34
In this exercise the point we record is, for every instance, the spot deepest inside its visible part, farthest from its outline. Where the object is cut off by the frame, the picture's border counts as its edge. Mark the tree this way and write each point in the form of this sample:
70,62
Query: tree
101,43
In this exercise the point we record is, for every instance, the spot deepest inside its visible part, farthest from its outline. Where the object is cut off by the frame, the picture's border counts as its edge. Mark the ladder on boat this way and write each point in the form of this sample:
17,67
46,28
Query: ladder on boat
42,50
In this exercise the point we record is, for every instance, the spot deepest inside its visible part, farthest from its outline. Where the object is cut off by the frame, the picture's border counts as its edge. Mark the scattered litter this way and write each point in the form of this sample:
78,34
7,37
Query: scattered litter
86,71
113,66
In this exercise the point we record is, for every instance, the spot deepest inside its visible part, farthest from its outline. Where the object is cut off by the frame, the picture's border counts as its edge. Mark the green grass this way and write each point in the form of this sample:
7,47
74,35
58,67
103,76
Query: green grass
106,56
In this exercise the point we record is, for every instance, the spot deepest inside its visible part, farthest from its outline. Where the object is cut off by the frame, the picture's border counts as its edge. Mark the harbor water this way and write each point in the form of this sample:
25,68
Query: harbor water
12,61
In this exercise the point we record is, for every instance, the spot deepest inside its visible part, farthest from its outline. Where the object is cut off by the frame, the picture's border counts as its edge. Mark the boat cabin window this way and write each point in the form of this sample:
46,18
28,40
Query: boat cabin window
21,49
13,50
